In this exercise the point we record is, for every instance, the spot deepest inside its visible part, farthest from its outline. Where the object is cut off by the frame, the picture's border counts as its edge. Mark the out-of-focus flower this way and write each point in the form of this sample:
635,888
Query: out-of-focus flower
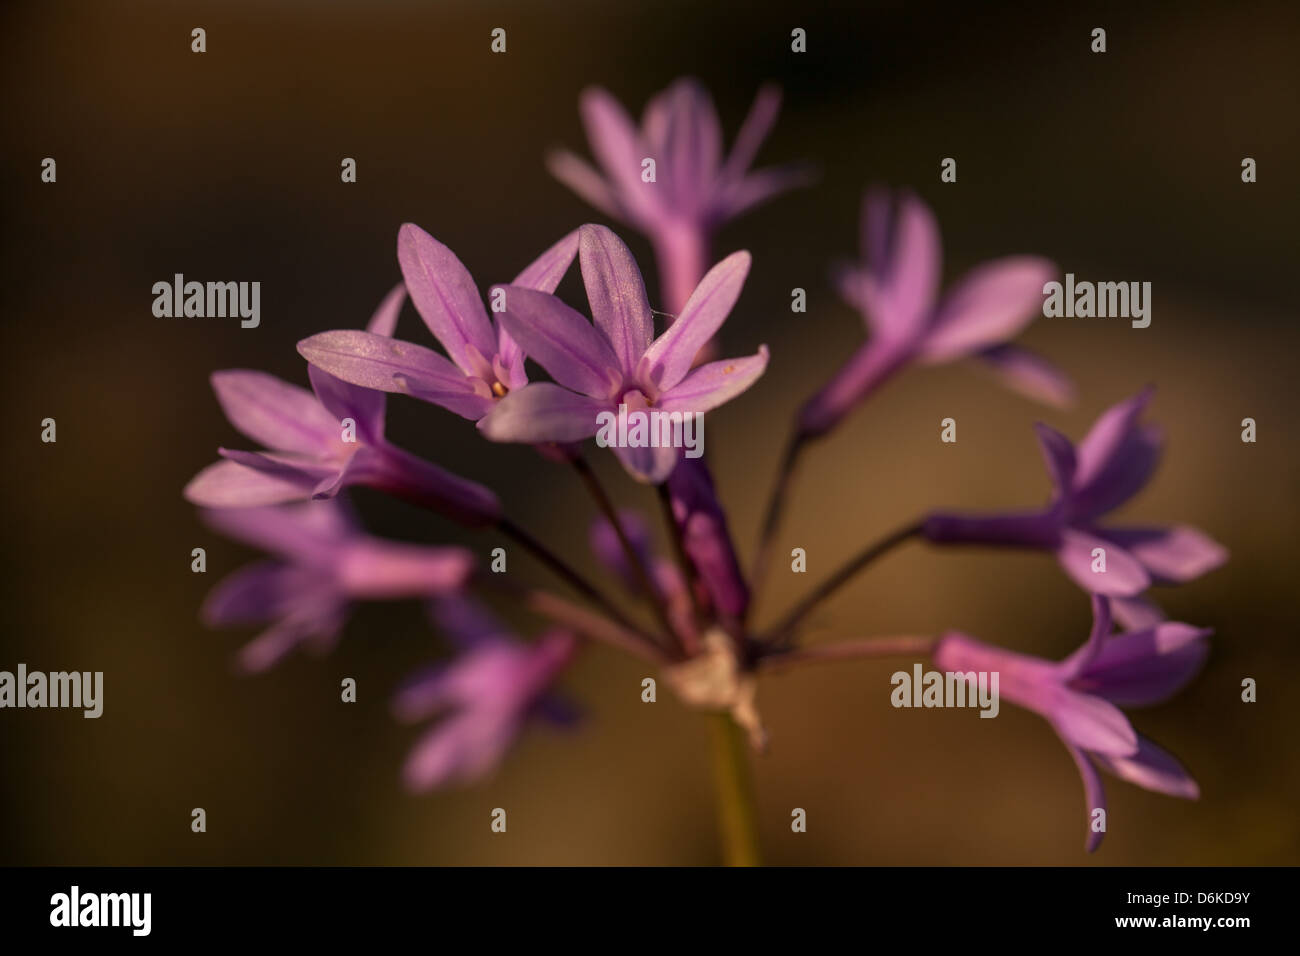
485,363
323,441
322,564
1081,695
707,539
664,574
1111,465
695,189
617,361
484,696
896,288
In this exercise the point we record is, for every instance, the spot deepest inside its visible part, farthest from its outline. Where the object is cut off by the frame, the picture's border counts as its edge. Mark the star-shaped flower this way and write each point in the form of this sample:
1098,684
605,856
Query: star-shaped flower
485,363
1111,465
1081,695
617,361
896,288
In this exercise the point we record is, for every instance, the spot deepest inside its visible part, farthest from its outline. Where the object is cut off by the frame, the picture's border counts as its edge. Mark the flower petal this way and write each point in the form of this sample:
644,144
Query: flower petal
1029,374
671,356
1171,555
649,465
1091,723
579,176
577,355
616,293
384,319
365,406
1136,613
1141,668
711,385
1094,794
990,304
753,131
444,294
228,484
1124,575
904,258
391,365
1081,659
617,146
545,272
1153,769
1116,457
269,410
542,412
1058,455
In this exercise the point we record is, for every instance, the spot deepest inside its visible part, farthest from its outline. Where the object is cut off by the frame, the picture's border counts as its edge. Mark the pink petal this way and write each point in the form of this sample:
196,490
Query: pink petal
711,385
1091,723
1153,769
365,406
1142,668
671,356
616,293
753,131
228,484
444,294
384,319
1172,555
649,465
559,339
1058,455
617,146
542,412
281,416
1094,794
1028,373
905,258
1108,438
579,176
989,305
1124,575
545,272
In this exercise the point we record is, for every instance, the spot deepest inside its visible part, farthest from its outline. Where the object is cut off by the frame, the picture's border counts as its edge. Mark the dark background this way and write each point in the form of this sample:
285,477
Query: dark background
1123,166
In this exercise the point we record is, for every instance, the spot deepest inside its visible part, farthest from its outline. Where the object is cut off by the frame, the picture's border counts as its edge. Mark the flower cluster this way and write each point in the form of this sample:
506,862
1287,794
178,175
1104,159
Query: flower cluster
691,611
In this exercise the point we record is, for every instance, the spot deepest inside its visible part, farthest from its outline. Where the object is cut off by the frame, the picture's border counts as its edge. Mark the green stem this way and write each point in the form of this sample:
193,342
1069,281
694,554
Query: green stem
737,809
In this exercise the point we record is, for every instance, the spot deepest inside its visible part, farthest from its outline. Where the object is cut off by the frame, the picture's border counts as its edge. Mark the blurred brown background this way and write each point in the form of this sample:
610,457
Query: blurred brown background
1123,166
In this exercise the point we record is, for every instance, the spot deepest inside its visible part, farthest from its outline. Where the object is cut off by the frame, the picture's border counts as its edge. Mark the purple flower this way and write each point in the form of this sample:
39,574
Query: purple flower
485,696
615,362
1081,695
485,363
897,291
706,538
664,574
694,190
323,563
315,454
1111,465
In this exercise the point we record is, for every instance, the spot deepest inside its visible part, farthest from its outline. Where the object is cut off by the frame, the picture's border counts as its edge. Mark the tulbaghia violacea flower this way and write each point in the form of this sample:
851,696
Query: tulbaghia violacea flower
484,696
322,563
665,576
896,289
485,363
321,442
1081,696
617,361
694,189
706,538
1111,465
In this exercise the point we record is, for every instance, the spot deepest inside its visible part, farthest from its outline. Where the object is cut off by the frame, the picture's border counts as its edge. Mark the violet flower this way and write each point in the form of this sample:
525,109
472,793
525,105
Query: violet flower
485,363
664,574
706,538
323,441
896,289
617,361
485,695
1111,465
695,189
1081,695
323,564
